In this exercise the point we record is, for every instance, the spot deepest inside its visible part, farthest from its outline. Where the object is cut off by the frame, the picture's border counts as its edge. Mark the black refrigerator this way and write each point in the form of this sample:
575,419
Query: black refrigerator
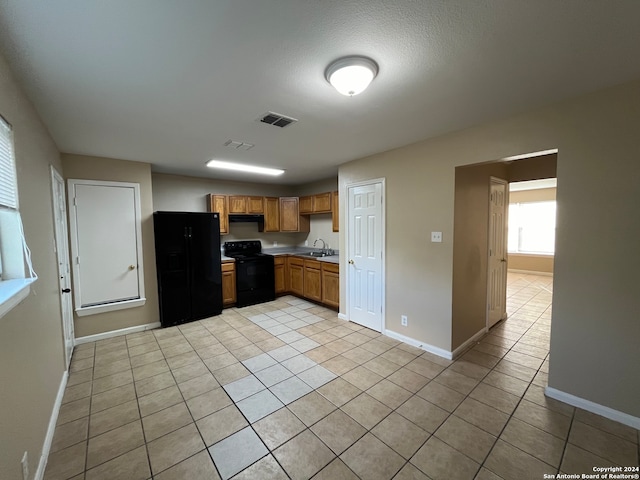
188,266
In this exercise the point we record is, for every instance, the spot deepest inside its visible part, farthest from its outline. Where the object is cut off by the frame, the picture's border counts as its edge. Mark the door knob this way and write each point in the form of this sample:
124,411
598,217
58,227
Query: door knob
132,267
66,290
351,262
503,260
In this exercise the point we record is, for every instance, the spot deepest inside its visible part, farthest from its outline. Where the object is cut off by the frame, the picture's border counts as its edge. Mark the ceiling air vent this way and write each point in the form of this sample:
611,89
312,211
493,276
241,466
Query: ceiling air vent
277,119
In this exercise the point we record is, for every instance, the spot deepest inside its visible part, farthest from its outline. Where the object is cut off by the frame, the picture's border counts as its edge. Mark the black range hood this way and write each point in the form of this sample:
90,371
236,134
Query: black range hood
246,218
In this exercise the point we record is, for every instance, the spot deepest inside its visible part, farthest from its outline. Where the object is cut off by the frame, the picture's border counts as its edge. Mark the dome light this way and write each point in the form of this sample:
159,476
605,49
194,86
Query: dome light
351,75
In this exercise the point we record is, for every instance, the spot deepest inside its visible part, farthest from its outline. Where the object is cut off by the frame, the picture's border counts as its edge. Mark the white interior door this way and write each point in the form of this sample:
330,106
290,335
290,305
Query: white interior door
62,253
106,245
497,265
365,229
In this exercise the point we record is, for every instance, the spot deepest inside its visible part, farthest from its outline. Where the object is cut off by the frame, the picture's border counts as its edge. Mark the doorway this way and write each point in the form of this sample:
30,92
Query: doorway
471,238
365,251
62,255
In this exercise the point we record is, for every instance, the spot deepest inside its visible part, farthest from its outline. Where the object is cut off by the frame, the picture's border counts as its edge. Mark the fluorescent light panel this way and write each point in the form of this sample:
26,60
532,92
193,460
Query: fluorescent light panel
244,168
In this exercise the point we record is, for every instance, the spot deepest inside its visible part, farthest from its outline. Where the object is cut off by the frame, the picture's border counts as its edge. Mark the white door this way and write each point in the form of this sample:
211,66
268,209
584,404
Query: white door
62,253
106,243
497,265
365,227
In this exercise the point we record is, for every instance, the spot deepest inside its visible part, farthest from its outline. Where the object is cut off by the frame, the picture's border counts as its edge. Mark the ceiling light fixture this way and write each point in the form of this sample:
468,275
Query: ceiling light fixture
351,75
244,168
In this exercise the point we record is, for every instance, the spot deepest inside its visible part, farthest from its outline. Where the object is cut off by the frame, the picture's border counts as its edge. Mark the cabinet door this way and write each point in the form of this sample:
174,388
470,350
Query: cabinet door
296,276
322,203
255,205
228,284
312,280
306,205
237,204
279,274
335,212
271,214
289,216
330,285
219,203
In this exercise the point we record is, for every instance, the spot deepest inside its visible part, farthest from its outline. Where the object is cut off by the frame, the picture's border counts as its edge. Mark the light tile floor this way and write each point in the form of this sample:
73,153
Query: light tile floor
287,390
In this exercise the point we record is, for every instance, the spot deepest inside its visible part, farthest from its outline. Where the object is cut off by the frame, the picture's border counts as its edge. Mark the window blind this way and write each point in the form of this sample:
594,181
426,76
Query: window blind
8,187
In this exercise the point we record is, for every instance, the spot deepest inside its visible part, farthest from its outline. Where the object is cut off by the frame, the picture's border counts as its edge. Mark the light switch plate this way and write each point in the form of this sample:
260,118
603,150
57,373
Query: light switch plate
436,237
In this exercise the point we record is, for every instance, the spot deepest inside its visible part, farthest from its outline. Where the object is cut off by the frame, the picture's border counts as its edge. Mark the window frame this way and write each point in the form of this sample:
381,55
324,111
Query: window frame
16,271
511,229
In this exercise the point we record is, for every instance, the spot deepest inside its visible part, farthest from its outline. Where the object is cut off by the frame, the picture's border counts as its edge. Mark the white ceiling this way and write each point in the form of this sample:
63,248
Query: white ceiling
168,82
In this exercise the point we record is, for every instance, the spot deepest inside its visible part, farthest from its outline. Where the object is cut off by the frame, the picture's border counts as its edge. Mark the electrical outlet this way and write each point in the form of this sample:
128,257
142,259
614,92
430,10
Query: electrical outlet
25,466
403,320
275,244
436,237
306,243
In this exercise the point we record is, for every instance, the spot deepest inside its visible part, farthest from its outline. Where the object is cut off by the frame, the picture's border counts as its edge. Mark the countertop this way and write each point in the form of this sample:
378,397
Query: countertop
298,251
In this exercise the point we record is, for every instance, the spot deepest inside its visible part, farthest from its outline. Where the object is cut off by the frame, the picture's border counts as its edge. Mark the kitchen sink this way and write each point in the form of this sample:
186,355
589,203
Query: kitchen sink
316,254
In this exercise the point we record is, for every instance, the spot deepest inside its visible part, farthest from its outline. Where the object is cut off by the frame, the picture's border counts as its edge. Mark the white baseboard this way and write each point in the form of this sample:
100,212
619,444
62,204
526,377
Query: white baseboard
342,316
589,406
42,464
117,333
415,343
530,272
466,344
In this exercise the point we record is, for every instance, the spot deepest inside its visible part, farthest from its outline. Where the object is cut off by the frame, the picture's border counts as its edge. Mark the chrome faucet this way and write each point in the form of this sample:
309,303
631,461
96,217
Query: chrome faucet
324,245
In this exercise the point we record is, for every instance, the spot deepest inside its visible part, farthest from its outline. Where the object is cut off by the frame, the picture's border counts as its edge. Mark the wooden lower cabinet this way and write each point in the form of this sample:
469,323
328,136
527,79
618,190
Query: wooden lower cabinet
307,278
331,284
296,276
228,284
280,269
312,280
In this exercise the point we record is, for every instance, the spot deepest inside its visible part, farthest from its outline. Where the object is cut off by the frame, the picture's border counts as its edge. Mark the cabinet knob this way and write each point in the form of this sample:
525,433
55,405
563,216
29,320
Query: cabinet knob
132,267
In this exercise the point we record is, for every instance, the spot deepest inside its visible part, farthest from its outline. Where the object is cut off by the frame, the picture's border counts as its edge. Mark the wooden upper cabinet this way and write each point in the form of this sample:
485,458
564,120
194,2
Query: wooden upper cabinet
322,203
306,205
271,214
255,205
318,203
237,204
290,218
219,203
240,204
335,212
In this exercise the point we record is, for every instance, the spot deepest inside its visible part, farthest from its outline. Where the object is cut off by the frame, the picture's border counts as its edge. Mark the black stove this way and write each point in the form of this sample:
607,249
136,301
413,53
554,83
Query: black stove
255,281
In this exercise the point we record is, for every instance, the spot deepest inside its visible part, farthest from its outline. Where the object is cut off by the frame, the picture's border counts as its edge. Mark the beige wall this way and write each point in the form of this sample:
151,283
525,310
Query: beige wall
595,327
523,261
31,345
534,168
96,168
535,195
531,263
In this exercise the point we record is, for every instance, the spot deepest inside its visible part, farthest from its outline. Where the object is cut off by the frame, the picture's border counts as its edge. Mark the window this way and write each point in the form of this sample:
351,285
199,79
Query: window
532,228
16,272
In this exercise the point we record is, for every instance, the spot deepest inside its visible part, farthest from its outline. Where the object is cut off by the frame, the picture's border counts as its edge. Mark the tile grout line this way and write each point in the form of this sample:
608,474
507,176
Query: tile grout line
357,365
